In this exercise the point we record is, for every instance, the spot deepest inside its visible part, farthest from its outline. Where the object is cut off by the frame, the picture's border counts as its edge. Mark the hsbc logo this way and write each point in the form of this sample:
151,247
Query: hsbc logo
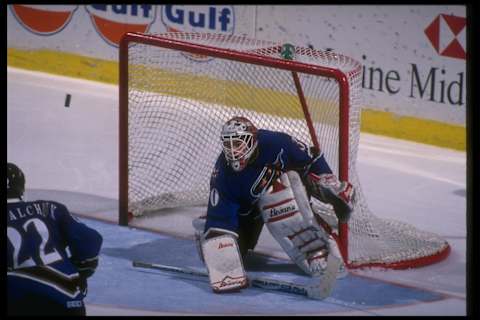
43,20
112,21
447,34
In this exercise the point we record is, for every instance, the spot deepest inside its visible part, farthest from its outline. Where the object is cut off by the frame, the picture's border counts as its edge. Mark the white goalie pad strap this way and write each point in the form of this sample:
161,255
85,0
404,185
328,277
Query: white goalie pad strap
301,196
213,232
289,218
199,225
223,261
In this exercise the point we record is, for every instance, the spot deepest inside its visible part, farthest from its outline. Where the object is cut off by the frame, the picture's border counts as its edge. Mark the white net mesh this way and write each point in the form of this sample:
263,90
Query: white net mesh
178,101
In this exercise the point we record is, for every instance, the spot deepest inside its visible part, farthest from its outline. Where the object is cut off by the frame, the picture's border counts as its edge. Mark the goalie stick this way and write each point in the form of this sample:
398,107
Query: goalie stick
319,289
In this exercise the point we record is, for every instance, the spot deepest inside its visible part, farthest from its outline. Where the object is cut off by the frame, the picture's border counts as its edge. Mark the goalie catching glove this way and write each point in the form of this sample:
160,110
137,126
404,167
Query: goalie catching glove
328,189
288,216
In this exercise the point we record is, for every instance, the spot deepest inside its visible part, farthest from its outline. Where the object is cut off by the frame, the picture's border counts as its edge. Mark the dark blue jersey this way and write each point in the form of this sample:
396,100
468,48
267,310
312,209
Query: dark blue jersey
233,194
43,240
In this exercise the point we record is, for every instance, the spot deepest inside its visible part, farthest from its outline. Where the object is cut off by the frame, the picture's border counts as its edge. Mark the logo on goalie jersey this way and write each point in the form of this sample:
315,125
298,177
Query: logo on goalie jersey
267,176
112,21
43,19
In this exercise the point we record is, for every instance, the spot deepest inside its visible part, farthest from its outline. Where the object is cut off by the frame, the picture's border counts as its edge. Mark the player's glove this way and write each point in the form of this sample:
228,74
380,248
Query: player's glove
86,268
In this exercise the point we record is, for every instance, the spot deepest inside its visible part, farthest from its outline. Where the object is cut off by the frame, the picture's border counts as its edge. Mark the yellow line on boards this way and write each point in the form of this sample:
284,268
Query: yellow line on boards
373,121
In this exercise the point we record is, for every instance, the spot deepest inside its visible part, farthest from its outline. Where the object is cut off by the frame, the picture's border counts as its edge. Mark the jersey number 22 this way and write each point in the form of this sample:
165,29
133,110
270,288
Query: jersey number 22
15,238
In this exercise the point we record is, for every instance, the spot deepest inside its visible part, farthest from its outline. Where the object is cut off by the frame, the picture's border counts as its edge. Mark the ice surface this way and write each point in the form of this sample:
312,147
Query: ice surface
76,161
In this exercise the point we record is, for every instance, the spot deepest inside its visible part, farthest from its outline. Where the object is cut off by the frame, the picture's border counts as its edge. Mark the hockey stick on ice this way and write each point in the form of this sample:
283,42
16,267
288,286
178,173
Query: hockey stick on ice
319,289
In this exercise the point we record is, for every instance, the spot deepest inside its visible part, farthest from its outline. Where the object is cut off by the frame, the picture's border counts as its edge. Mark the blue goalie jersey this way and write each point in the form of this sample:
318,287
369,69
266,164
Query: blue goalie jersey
43,240
233,194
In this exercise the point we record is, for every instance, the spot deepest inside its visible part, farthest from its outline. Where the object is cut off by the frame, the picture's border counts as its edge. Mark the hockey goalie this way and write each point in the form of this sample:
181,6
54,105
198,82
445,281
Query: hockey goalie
266,178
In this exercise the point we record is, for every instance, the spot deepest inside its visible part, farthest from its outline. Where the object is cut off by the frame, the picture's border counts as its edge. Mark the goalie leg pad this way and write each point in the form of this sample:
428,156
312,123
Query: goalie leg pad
289,218
223,261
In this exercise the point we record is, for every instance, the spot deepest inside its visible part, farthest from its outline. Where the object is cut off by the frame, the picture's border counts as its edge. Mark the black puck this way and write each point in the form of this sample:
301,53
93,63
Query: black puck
67,100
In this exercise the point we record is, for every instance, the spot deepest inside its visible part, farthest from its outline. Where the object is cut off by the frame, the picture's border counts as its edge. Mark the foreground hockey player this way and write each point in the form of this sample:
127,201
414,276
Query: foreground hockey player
261,178
43,279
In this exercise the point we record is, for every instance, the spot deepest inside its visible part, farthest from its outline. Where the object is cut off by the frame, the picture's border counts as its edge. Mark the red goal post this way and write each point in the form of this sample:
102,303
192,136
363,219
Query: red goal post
363,235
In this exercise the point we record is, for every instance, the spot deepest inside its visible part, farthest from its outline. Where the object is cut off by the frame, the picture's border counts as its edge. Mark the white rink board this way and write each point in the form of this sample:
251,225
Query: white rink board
389,40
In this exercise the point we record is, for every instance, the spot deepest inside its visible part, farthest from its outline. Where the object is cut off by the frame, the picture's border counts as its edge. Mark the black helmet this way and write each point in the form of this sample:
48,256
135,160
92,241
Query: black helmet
15,181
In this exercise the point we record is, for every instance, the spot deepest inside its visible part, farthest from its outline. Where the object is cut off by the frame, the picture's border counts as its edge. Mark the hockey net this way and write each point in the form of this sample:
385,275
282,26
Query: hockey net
176,91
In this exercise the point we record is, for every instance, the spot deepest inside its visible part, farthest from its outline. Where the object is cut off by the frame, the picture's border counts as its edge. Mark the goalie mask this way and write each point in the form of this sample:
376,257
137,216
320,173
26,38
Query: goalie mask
239,140
15,182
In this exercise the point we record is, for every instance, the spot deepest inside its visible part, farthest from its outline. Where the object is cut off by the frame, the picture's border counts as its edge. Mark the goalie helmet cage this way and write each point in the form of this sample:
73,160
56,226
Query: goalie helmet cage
177,89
